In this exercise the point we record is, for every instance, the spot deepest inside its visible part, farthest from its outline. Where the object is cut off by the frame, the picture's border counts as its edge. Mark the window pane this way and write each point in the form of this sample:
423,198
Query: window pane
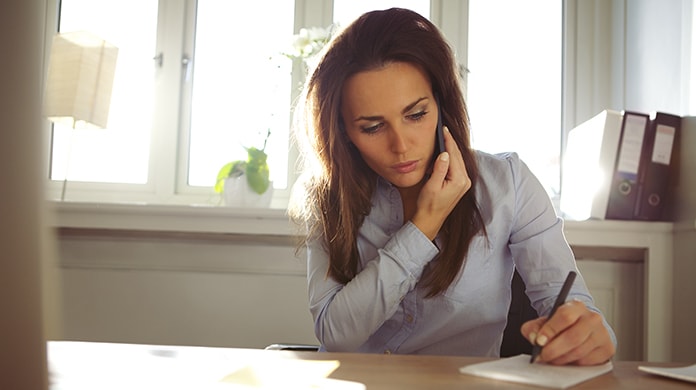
120,153
514,84
345,11
241,86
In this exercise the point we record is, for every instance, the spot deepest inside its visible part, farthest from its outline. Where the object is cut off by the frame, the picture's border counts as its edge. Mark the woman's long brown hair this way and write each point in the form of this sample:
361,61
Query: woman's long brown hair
338,185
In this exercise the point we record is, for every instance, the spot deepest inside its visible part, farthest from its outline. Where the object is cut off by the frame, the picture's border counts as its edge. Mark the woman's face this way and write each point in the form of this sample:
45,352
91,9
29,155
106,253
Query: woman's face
390,116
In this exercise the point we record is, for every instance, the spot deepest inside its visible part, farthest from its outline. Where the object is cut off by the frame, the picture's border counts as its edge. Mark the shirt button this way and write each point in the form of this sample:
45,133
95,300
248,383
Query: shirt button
387,352
409,318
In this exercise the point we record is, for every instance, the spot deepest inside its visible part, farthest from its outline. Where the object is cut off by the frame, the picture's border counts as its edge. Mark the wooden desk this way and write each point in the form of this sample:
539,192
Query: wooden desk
440,372
78,366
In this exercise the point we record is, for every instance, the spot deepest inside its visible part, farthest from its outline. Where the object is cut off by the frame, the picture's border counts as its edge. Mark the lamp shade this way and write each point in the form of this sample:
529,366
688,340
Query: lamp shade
80,78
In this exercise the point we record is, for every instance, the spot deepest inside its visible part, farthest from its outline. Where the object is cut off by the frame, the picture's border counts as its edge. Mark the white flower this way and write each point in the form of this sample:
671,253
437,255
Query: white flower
308,42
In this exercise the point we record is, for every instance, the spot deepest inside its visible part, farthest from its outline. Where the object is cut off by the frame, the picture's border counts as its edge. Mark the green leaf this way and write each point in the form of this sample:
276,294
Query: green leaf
257,170
231,169
258,180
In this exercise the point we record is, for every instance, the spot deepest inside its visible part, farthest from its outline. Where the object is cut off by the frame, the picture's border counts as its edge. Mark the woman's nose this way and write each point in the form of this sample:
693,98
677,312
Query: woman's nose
397,140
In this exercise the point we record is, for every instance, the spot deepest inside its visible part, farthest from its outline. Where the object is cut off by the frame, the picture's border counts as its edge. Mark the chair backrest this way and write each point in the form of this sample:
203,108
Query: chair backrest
520,311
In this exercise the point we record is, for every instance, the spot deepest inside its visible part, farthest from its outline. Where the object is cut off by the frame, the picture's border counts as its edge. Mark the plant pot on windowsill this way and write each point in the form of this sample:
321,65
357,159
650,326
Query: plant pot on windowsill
238,193
246,183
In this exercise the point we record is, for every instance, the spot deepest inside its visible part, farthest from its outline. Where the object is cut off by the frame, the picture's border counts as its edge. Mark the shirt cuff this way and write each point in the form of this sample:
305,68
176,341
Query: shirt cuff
411,248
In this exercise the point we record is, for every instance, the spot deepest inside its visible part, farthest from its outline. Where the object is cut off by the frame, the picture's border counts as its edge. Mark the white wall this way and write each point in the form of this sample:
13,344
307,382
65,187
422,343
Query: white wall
593,59
685,249
168,288
658,36
628,54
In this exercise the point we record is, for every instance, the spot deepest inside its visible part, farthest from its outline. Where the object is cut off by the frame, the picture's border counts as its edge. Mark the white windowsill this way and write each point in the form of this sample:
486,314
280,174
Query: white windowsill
272,221
171,218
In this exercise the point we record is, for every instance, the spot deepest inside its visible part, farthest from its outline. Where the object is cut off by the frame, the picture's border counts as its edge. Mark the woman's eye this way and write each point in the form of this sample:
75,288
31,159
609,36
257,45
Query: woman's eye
417,116
371,129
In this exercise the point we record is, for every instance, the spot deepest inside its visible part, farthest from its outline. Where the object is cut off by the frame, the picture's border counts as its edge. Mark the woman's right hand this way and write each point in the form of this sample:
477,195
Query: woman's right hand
443,190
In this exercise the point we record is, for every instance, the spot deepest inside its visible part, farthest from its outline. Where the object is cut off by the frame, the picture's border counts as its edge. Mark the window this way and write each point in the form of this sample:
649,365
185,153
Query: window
99,155
691,91
514,82
241,86
197,81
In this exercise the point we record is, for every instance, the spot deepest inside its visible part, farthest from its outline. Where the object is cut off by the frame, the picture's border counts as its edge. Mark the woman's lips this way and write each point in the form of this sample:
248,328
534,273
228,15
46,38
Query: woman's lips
406,167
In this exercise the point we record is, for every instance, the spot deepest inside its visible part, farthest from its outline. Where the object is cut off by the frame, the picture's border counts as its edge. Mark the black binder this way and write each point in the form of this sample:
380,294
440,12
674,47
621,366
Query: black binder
657,166
623,192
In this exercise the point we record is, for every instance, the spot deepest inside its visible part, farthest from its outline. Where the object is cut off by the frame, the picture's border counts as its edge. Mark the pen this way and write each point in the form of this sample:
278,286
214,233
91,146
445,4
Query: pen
536,349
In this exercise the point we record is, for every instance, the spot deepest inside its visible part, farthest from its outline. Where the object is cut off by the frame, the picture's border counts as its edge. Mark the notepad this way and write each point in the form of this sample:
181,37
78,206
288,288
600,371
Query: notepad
518,369
687,373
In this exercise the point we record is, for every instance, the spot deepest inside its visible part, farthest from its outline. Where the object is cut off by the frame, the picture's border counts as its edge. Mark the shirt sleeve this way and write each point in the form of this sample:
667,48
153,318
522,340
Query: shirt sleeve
538,245
345,316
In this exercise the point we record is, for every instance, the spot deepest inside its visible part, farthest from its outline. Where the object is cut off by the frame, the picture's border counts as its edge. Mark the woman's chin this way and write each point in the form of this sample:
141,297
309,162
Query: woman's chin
407,181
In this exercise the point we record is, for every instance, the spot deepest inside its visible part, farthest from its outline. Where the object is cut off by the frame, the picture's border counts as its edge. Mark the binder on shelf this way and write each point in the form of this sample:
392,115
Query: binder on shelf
658,164
623,192
588,166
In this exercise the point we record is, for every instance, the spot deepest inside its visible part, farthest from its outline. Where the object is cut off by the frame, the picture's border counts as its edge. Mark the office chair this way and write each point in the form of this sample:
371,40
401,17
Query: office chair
513,343
520,311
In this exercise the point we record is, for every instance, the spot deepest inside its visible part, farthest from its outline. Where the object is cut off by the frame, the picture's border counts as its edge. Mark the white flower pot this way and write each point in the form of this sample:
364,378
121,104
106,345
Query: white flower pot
237,193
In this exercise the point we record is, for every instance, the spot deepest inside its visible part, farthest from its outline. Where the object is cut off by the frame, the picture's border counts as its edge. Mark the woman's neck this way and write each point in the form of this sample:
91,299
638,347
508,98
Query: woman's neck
409,200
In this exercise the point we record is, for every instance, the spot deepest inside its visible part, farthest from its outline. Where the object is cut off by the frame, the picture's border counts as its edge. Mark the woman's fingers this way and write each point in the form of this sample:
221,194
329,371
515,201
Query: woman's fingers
444,188
574,335
455,177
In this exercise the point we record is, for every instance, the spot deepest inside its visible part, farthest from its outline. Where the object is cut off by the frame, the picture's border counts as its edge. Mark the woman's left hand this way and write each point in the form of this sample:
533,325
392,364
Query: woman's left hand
443,190
574,335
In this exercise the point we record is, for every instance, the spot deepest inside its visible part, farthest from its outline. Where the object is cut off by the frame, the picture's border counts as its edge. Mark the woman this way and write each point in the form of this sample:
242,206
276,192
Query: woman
410,250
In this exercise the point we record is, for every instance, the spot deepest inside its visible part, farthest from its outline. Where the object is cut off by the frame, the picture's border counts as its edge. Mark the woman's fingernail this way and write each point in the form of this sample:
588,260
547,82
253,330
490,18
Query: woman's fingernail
444,156
541,340
532,337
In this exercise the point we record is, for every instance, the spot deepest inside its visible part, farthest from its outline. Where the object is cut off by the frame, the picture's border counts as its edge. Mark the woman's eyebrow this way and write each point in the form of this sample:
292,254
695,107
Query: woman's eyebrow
410,106
406,109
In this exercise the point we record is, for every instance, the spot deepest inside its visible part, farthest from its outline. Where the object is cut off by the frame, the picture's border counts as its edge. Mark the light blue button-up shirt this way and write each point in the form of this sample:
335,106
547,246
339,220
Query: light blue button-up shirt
383,309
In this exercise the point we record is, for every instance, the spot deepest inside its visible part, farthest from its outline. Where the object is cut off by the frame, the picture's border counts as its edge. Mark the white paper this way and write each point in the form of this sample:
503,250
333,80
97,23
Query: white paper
518,369
684,373
631,143
662,148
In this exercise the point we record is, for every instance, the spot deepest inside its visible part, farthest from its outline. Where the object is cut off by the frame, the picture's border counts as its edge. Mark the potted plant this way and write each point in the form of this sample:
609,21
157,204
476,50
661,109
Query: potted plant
246,183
